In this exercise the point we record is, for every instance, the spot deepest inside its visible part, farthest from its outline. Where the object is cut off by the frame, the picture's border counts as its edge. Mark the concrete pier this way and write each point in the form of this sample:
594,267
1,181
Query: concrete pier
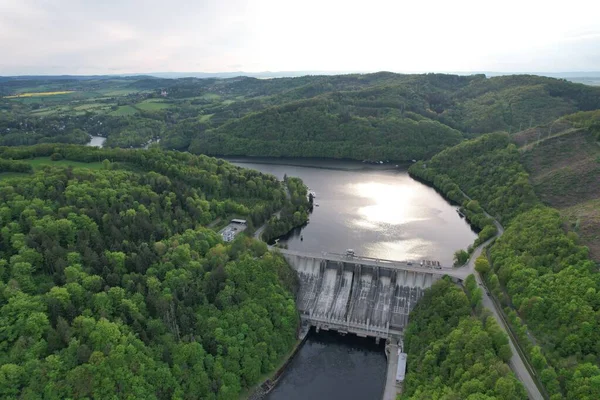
391,390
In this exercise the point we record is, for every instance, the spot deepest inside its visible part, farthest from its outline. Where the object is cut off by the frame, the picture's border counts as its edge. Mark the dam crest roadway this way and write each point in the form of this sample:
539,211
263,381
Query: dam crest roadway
365,296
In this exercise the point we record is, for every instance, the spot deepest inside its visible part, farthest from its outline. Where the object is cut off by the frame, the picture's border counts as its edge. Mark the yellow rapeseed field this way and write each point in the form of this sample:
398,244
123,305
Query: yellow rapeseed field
37,94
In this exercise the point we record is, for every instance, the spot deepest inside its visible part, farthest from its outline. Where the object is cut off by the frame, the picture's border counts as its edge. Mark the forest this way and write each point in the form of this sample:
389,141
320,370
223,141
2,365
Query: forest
539,272
379,116
454,355
111,285
112,282
293,214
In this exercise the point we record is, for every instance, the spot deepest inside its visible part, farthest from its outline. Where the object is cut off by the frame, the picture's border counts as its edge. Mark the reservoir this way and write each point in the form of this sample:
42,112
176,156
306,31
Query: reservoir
377,211
330,366
96,141
381,212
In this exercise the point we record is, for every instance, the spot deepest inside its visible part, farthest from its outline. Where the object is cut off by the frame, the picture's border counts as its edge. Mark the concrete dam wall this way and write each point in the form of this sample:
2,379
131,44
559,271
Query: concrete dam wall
347,296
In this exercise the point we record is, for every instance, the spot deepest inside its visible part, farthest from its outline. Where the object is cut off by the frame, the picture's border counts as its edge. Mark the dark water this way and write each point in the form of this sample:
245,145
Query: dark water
378,212
330,366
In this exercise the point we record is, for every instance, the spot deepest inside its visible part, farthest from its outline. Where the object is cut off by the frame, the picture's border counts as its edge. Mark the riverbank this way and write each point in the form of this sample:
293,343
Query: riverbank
478,219
270,380
333,164
294,213
519,362
378,213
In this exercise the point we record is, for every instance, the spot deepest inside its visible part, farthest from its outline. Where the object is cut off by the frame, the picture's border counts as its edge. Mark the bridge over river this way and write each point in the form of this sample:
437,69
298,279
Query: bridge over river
362,295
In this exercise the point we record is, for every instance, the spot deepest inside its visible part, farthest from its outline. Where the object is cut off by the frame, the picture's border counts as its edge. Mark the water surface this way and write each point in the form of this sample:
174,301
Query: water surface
330,367
96,141
377,211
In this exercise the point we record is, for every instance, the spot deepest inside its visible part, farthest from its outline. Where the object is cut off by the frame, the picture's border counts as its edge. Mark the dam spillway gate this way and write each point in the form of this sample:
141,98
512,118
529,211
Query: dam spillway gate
350,295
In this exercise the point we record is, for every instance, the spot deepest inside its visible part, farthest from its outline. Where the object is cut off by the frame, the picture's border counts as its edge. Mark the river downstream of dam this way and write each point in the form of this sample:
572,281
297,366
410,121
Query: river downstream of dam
378,211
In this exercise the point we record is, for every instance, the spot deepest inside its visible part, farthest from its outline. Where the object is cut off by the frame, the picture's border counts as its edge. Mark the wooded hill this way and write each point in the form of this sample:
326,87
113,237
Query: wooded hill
371,116
563,161
112,286
539,271
398,117
454,355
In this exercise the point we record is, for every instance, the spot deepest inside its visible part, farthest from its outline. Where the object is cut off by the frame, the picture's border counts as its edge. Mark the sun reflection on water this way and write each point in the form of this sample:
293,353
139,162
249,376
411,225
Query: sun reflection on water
391,204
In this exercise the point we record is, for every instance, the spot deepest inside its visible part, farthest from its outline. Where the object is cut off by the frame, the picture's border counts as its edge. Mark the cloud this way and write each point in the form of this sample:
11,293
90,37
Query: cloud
89,37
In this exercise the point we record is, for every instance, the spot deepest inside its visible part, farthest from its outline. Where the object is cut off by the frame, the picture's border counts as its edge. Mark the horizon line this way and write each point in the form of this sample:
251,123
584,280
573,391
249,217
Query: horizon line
299,73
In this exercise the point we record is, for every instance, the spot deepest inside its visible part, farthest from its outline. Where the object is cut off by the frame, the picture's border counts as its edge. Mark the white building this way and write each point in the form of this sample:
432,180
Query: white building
401,371
228,235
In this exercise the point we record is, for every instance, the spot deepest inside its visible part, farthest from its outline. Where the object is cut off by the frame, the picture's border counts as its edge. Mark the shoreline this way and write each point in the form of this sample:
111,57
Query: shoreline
312,162
449,200
260,390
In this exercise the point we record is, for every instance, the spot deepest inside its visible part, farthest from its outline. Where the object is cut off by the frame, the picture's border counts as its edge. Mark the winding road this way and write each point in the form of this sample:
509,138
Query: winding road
516,363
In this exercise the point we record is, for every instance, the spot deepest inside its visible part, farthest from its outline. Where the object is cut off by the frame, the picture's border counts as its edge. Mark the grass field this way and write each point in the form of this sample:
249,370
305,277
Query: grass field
123,111
210,96
204,117
40,162
152,105
90,106
43,112
8,175
38,94
118,92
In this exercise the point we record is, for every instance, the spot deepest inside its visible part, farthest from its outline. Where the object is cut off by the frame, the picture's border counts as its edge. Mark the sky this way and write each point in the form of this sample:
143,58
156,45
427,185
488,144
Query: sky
142,36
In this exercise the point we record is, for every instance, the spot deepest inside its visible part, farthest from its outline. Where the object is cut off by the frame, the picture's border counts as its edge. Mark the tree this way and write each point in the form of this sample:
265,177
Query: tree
114,288
482,265
460,257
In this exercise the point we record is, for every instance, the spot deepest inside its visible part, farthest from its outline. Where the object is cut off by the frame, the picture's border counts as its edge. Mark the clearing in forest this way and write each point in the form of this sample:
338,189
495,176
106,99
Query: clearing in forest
564,170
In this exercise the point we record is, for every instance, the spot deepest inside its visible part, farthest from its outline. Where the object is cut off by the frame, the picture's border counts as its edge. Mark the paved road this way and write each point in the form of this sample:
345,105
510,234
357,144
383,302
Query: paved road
391,390
516,363
259,231
412,266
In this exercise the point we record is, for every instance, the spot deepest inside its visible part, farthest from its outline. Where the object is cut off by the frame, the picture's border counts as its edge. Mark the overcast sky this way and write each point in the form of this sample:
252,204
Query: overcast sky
139,36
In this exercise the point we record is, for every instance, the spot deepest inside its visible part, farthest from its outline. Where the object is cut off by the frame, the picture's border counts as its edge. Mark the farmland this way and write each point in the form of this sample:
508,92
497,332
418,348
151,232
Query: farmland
37,94
364,117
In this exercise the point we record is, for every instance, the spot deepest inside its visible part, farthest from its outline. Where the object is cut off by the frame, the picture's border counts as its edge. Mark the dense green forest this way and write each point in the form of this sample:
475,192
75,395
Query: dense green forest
454,355
487,169
326,128
110,286
293,214
539,272
376,116
110,281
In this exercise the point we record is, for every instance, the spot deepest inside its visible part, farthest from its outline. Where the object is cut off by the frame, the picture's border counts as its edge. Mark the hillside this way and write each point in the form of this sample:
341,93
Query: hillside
539,272
112,286
453,354
360,116
401,117
325,128
564,169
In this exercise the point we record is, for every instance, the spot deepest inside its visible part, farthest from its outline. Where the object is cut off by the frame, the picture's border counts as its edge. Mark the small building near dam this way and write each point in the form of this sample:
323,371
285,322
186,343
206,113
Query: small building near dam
235,227
401,371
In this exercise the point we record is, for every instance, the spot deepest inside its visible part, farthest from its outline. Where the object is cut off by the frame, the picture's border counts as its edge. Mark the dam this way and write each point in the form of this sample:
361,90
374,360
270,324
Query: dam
360,295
